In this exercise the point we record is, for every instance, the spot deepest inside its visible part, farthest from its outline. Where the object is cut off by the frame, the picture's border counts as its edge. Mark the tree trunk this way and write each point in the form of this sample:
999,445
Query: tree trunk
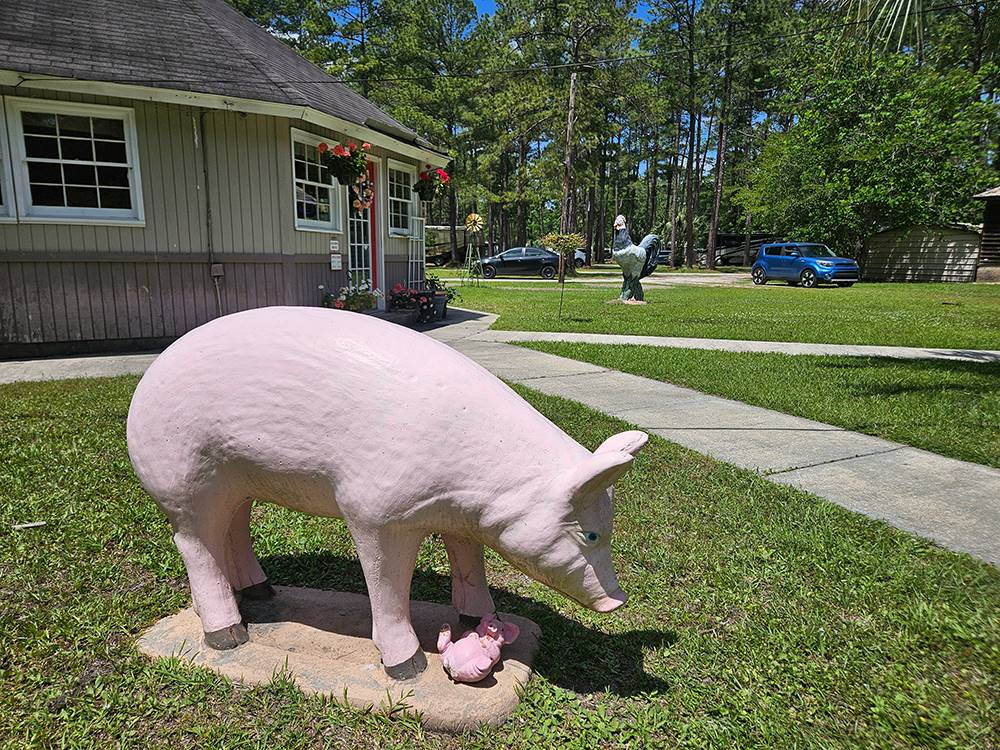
566,216
720,159
602,210
692,197
522,203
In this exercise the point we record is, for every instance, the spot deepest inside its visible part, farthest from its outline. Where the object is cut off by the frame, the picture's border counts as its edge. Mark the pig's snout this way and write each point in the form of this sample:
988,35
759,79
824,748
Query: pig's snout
611,602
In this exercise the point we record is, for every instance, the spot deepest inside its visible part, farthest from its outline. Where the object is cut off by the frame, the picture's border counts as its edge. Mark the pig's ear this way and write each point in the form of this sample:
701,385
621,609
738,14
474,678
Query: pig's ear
630,442
510,632
598,472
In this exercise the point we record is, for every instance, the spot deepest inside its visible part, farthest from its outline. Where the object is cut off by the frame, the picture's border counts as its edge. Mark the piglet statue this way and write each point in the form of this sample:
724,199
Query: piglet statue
472,657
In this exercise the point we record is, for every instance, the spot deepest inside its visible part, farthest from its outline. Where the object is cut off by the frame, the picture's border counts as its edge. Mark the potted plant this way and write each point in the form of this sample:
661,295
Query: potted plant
442,294
349,164
354,298
429,182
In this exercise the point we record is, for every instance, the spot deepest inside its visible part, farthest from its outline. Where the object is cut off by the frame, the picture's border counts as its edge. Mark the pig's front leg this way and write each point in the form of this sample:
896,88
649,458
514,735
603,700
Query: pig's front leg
387,558
470,594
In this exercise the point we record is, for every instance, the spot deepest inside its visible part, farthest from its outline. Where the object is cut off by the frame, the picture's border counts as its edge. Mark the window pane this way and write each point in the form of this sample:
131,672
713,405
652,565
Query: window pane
79,174
112,129
77,127
38,122
115,198
81,197
42,171
77,150
47,195
300,170
314,173
112,176
108,151
300,149
41,148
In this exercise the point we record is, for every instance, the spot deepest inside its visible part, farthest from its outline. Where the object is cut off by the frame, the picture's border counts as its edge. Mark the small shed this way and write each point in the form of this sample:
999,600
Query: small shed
922,253
989,255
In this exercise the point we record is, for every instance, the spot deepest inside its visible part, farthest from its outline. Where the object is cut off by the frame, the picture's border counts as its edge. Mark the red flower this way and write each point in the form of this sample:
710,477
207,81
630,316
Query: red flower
366,146
423,299
323,147
353,146
339,304
398,287
339,150
422,176
443,175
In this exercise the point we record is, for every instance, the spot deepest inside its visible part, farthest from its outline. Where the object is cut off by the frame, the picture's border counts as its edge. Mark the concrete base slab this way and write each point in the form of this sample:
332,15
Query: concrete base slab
322,640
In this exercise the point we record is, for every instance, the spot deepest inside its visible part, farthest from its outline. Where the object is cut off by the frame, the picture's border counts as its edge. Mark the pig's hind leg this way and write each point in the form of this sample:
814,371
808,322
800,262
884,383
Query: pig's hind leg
202,537
245,574
470,594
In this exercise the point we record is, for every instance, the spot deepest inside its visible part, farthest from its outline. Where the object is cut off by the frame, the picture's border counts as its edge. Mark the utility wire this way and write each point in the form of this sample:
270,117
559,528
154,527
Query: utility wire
641,57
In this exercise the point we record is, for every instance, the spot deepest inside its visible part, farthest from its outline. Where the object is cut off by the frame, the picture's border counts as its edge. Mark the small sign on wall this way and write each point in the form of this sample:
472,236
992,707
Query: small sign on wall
336,261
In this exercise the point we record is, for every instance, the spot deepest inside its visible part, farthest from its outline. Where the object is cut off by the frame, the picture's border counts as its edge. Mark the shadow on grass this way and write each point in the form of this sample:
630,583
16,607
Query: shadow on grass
572,655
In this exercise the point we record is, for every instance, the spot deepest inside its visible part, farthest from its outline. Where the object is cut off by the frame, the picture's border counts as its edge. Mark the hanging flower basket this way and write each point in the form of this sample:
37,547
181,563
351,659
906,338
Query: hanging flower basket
350,166
429,182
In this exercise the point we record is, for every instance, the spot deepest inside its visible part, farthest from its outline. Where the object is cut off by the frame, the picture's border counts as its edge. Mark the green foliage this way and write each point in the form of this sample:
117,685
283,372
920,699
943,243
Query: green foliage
878,141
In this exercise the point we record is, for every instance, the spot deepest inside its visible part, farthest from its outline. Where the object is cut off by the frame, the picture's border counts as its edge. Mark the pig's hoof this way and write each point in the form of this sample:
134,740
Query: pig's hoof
258,592
227,638
410,668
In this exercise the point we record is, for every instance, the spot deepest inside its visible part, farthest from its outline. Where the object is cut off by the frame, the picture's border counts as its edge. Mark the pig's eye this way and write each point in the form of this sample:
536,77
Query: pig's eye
591,537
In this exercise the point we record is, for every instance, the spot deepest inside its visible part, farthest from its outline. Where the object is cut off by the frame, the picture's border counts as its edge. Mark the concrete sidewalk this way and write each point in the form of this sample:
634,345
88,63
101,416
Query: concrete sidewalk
735,345
954,503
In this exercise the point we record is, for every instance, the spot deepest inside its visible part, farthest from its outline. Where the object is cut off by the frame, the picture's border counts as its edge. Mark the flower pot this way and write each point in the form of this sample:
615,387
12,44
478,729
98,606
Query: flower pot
440,305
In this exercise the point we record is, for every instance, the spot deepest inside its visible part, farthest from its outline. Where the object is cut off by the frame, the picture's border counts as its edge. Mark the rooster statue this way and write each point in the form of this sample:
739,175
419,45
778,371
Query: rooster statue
637,261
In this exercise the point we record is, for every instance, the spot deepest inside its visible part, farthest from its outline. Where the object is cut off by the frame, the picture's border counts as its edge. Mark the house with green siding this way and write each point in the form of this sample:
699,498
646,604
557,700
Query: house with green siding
160,166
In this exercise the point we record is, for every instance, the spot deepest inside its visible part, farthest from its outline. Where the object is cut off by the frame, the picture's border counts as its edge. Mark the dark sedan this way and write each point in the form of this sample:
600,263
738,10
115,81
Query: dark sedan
521,260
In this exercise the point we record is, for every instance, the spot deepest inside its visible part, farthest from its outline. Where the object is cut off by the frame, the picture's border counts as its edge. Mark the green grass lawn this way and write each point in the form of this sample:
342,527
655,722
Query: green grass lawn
961,316
759,616
948,407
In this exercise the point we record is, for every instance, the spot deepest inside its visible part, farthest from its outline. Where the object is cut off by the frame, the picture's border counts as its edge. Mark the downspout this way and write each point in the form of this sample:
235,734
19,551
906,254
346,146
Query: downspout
214,268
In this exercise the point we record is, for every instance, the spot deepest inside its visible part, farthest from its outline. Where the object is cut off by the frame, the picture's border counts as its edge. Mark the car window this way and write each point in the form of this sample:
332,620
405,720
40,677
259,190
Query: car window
514,252
789,249
817,251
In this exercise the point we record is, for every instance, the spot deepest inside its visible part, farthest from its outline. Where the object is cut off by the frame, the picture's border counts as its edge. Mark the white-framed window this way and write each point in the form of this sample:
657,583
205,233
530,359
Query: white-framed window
402,206
318,196
6,185
74,163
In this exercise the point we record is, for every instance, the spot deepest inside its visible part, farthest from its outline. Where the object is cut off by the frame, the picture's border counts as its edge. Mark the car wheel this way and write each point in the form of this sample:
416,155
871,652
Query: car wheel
845,284
548,272
758,276
808,278
578,263
489,272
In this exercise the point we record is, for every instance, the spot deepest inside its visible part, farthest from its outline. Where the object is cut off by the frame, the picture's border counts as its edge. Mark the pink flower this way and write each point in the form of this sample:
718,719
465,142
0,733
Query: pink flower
352,146
339,304
398,287
366,146
423,299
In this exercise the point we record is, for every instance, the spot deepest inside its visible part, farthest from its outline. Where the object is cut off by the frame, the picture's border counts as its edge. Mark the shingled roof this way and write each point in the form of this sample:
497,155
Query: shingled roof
204,46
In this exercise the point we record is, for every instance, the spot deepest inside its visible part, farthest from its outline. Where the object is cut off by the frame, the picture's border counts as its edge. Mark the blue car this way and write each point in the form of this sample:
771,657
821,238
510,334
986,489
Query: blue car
805,263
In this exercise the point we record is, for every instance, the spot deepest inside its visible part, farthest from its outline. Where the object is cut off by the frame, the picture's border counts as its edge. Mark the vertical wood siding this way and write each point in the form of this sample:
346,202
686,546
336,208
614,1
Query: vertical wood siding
70,283
921,254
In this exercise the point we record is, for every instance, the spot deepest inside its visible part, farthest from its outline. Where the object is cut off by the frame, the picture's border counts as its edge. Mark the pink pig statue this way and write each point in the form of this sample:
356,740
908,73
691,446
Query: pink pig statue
307,408
472,657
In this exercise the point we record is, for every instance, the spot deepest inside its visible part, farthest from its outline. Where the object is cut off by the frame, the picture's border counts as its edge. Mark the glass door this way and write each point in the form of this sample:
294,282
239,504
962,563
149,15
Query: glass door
361,239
